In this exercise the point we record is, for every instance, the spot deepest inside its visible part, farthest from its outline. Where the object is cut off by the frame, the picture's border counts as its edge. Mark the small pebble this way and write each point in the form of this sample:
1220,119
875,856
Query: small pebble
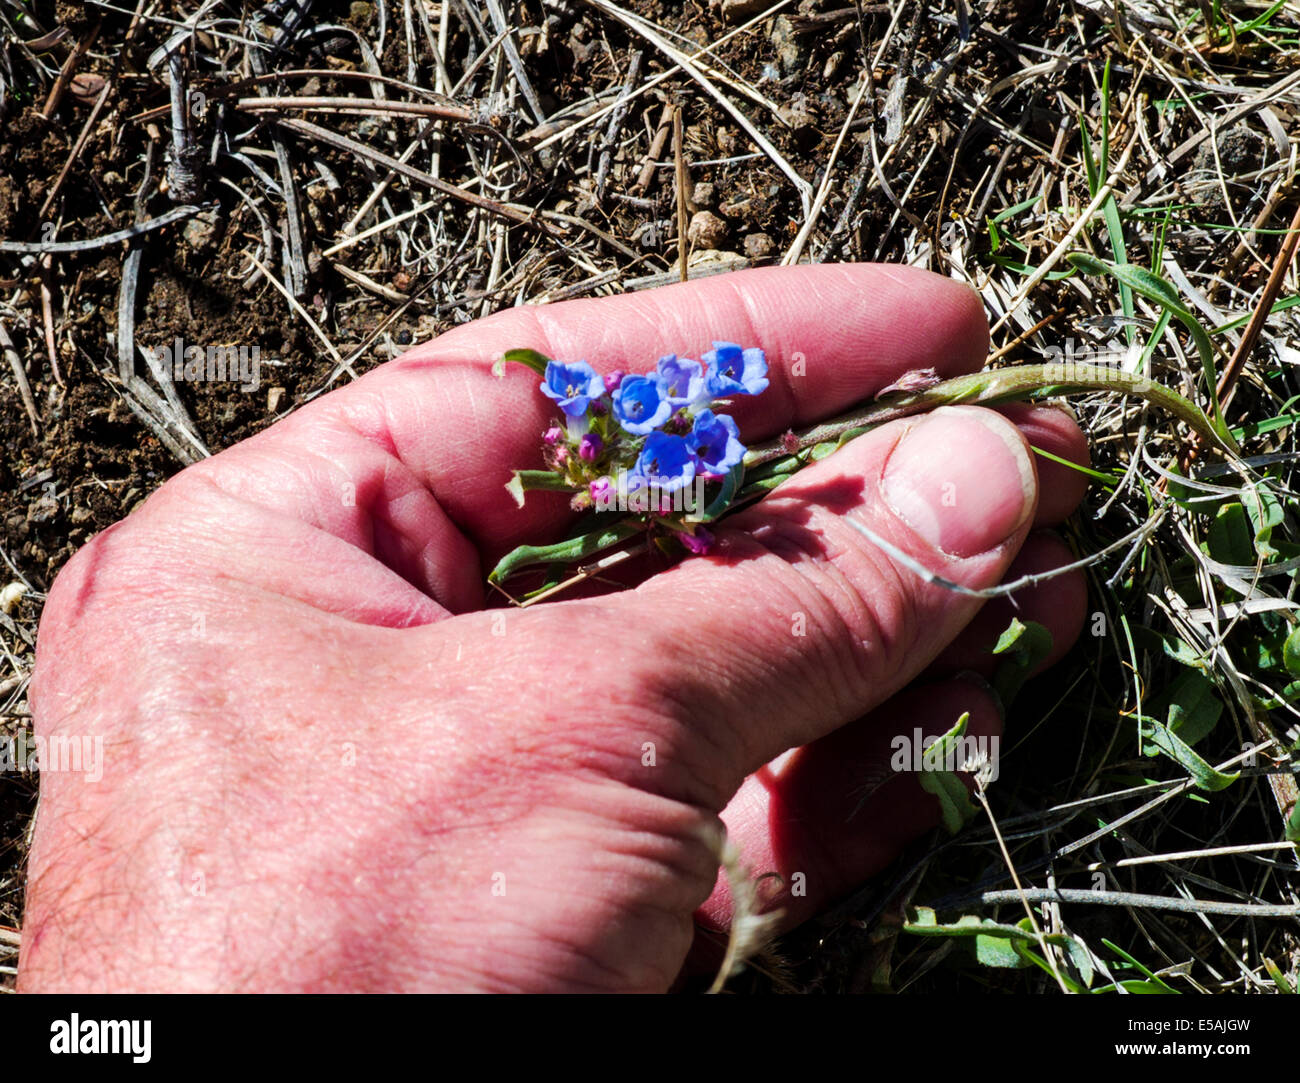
86,87
737,11
706,230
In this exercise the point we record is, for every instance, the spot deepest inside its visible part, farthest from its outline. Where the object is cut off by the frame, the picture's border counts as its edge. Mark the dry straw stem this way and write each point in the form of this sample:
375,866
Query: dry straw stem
342,142
20,378
655,37
701,54
1282,264
1068,242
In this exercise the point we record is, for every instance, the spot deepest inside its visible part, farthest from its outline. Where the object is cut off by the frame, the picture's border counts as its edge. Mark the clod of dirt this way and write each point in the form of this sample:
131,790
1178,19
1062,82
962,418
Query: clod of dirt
797,114
42,509
744,207
1240,150
706,230
799,117
201,231
702,196
759,246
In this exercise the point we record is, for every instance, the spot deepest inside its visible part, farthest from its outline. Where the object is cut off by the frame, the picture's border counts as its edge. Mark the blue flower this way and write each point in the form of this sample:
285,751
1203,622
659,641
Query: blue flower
715,443
733,371
572,386
665,463
639,406
681,380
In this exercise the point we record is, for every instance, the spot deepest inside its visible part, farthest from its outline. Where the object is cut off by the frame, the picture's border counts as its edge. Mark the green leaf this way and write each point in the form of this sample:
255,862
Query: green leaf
1149,285
1147,988
1158,738
923,918
997,951
1241,321
1264,426
1279,979
1011,212
1098,171
1291,652
1193,707
1089,163
1157,984
1154,288
720,503
954,799
527,481
529,358
1182,652
1081,959
1265,513
1033,957
565,552
924,922
995,237
1230,538
1291,829
1024,646
1261,20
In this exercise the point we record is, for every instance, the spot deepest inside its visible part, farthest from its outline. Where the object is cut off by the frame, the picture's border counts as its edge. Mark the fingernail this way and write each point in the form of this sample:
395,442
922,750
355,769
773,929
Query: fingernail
962,479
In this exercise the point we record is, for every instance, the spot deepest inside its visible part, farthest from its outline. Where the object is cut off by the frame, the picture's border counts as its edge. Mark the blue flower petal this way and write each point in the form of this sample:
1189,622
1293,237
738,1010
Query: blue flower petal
639,405
572,387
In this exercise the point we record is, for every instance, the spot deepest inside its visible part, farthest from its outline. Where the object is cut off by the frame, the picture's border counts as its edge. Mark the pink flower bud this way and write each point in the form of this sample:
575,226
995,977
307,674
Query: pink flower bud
613,379
698,543
590,447
553,434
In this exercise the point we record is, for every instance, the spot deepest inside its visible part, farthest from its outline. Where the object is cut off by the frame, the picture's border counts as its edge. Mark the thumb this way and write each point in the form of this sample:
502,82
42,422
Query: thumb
799,623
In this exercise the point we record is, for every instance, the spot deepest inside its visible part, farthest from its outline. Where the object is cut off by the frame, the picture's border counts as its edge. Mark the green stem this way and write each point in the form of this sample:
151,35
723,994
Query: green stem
989,388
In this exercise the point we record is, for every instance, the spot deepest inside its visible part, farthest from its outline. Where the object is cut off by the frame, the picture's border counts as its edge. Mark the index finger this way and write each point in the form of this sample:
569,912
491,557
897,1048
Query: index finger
408,465
833,335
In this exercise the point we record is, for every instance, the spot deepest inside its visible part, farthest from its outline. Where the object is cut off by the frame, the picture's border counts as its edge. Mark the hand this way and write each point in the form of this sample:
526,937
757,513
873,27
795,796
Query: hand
330,765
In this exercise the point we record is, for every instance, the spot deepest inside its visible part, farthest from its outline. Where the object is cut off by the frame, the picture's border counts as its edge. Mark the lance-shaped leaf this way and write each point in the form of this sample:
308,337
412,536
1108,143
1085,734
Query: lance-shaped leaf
1154,288
1157,738
954,799
572,551
527,481
1023,647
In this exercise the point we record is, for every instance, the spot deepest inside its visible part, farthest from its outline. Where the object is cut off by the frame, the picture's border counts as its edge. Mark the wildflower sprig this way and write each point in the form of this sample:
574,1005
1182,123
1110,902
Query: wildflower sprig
653,446
659,432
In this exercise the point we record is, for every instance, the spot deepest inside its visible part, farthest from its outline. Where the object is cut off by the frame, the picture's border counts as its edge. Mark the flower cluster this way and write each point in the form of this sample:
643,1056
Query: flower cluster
643,443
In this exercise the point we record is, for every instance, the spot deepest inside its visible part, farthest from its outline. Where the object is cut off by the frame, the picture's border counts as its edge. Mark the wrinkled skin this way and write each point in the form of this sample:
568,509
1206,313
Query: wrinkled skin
332,762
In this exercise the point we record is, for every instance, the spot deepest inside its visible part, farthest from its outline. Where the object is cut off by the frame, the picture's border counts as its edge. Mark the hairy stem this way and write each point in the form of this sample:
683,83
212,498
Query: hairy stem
987,389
